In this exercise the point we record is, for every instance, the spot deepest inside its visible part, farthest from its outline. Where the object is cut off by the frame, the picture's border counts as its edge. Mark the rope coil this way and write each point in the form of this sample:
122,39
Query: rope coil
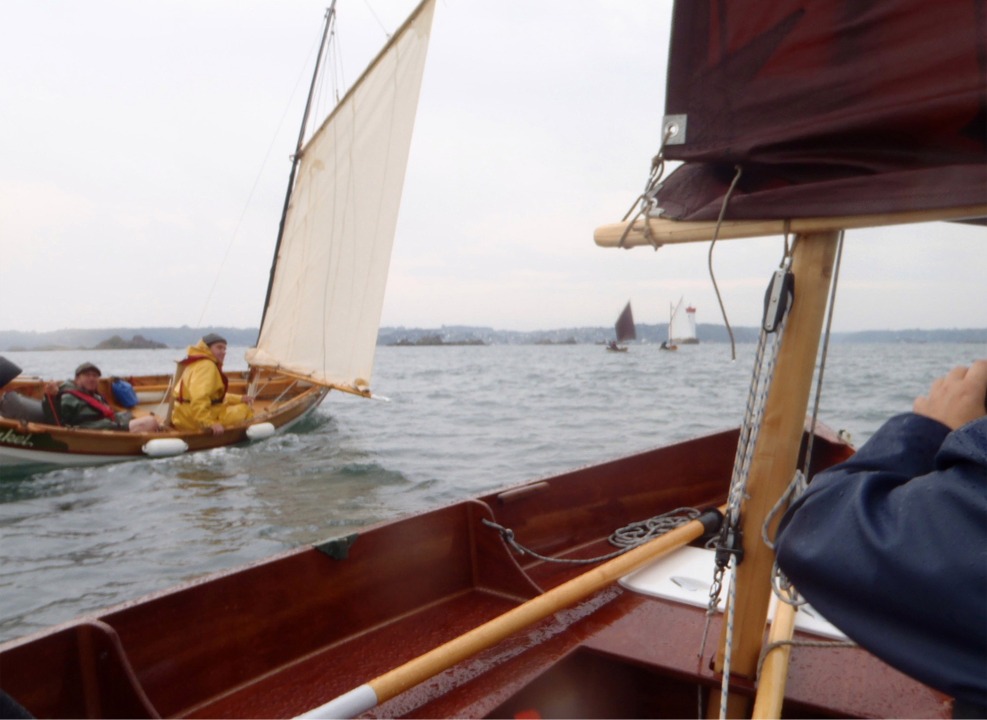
626,538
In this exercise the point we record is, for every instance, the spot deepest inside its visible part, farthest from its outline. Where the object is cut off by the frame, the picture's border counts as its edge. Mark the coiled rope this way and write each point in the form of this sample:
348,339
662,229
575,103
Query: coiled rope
625,538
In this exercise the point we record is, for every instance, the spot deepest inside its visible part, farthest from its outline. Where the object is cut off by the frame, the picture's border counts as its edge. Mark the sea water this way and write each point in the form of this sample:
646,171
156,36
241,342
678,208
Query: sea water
456,421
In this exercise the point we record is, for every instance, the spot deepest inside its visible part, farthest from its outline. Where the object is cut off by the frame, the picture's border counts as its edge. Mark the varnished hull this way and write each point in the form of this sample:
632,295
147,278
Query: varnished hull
283,636
24,443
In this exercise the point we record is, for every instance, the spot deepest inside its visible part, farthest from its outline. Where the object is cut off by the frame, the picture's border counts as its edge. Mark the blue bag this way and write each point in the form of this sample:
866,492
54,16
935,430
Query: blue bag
123,393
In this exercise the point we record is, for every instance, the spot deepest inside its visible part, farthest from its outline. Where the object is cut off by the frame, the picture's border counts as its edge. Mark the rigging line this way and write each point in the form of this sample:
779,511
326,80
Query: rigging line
646,200
728,649
625,538
254,387
712,276
330,17
267,156
383,29
825,352
799,482
288,388
829,644
335,73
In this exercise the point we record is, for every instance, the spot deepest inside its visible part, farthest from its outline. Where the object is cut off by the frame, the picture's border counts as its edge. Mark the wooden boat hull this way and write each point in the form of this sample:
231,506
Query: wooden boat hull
281,637
281,401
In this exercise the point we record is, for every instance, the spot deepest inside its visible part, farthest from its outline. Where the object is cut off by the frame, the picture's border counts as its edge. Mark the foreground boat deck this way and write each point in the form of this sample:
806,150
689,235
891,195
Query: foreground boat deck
284,636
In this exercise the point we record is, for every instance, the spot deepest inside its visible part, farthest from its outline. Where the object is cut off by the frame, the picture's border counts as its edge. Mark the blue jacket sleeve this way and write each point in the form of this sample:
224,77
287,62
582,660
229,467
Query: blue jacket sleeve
891,547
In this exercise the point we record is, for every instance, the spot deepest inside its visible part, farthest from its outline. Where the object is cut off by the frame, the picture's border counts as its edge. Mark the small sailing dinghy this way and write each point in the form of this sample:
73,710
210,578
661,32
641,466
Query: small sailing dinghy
526,601
322,311
624,329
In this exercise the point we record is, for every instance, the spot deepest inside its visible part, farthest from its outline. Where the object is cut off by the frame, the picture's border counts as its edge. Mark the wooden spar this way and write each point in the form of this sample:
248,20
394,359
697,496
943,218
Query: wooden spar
668,232
413,672
776,453
330,15
774,670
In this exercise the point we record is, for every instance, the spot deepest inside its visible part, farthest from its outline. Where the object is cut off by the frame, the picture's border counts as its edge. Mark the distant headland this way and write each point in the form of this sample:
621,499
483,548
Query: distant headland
181,337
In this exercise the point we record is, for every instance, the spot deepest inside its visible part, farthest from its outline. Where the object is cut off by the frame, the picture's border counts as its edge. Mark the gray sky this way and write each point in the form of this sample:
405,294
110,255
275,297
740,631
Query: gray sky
143,162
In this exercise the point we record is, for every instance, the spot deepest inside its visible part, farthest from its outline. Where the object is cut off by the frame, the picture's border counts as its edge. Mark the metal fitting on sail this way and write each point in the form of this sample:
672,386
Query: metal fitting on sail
673,129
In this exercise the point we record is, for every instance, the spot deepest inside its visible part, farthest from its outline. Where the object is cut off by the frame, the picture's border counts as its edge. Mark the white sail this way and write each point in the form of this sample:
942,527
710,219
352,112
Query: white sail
682,324
327,291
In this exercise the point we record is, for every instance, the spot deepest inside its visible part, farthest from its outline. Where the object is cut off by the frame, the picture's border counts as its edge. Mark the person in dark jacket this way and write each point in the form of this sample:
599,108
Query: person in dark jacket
79,404
891,545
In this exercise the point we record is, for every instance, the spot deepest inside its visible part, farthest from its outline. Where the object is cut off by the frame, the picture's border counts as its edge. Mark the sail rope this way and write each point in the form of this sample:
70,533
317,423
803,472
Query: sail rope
780,584
729,547
250,195
800,481
709,260
646,202
625,538
729,544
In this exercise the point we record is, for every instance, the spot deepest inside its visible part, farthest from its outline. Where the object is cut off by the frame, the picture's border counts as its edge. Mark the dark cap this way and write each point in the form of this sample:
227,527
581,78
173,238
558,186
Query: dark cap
85,367
212,339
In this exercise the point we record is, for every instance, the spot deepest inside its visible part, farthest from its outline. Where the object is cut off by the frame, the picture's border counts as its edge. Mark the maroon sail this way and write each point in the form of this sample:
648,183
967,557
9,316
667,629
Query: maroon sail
829,107
625,325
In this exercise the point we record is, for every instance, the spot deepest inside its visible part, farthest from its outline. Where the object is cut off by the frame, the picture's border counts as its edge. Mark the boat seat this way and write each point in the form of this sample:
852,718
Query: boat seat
15,406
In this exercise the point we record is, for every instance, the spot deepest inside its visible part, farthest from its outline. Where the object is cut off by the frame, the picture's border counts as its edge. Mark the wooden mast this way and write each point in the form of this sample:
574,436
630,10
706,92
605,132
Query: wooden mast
330,16
776,454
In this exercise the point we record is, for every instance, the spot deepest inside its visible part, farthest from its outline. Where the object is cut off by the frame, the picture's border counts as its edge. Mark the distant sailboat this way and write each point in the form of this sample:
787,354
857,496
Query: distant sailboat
669,344
682,325
624,329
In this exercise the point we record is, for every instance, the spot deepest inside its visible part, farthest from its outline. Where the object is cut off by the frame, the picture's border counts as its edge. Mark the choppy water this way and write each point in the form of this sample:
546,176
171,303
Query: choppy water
461,420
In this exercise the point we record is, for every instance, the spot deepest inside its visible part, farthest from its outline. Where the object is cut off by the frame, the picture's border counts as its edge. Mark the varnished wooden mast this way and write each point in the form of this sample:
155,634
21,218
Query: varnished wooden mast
776,453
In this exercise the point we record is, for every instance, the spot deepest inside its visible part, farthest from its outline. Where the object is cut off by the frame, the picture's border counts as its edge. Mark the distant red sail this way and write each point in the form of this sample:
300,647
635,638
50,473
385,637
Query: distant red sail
830,107
625,325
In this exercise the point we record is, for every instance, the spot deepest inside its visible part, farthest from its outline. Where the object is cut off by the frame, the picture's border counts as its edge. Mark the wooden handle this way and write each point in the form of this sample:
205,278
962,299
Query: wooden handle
774,671
661,231
394,682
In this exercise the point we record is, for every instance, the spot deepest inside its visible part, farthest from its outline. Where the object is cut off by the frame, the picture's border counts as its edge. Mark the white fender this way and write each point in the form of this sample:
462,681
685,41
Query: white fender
260,431
164,447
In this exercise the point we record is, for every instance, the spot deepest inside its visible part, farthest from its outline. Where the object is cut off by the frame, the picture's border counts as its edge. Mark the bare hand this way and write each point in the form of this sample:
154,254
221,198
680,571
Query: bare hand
217,428
957,398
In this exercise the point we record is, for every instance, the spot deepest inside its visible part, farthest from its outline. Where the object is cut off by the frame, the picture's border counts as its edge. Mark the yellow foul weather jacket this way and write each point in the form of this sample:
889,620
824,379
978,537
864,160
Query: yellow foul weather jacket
200,396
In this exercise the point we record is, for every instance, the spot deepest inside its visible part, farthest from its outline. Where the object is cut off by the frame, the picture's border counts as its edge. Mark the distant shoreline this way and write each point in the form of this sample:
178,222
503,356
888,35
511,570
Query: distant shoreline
181,337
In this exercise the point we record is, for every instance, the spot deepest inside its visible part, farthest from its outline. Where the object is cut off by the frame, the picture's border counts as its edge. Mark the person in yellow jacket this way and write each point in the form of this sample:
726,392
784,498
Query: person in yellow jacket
201,398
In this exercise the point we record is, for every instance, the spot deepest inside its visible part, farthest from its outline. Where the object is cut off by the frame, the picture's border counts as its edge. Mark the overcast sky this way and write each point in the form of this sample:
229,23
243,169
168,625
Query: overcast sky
144,155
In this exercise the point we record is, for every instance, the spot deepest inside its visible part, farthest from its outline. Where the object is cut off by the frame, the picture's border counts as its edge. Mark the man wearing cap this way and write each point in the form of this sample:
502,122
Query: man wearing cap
81,405
201,398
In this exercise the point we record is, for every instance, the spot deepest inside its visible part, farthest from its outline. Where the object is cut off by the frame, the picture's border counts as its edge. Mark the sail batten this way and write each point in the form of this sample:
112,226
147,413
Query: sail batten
327,291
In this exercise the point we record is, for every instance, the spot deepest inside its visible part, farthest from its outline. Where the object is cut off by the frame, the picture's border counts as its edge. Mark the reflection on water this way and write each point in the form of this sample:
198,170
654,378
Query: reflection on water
461,420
